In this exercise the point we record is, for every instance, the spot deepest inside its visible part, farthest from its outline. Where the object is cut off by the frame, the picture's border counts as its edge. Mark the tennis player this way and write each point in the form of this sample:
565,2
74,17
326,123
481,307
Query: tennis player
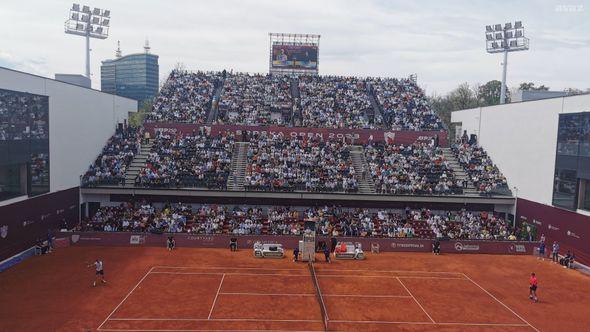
99,272
533,288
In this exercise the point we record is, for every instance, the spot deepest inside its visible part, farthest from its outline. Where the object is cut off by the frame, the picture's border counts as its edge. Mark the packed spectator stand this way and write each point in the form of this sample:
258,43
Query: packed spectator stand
278,163
334,102
403,105
255,100
417,169
110,166
281,220
196,160
480,168
185,97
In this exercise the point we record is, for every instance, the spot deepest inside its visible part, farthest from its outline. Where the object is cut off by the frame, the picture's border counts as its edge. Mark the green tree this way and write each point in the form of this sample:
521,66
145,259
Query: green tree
136,118
530,86
489,93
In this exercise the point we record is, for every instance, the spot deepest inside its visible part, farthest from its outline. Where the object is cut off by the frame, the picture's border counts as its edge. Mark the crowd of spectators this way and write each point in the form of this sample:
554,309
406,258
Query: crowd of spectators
185,97
485,175
282,220
324,101
188,161
334,102
110,166
403,105
468,225
417,169
255,99
279,163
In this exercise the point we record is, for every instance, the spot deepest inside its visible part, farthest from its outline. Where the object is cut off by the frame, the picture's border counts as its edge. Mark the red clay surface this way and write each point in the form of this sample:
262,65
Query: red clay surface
151,289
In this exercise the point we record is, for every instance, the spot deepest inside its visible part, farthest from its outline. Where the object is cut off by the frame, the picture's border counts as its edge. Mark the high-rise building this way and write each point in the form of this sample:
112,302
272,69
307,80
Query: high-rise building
134,76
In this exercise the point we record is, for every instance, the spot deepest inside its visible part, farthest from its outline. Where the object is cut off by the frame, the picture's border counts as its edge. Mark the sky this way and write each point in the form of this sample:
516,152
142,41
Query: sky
442,42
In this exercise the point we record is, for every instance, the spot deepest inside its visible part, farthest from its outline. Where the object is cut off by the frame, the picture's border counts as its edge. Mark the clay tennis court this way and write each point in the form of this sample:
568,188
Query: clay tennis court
151,289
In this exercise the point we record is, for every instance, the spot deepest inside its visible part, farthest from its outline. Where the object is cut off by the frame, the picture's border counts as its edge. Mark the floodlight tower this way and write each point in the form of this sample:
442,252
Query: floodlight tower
509,38
90,24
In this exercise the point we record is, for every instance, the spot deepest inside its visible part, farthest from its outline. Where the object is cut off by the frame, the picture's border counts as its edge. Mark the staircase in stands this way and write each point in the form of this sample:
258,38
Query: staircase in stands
139,162
214,110
296,96
361,169
459,172
239,159
376,108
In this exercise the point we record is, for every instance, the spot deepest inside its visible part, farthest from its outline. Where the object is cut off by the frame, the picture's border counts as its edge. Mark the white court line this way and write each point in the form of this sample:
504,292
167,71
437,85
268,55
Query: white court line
418,303
219,319
369,296
224,268
234,274
387,276
168,330
426,323
502,303
380,322
203,273
125,298
404,271
216,295
441,278
270,294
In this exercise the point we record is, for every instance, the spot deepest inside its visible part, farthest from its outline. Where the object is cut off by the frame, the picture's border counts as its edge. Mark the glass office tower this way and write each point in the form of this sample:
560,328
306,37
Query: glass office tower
133,76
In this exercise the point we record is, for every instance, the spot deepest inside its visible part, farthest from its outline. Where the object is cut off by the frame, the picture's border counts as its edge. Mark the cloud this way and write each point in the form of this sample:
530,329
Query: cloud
442,42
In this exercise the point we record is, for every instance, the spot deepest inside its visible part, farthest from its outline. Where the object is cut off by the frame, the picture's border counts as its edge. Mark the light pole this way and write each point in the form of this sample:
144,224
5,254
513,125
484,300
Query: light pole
515,206
90,24
509,38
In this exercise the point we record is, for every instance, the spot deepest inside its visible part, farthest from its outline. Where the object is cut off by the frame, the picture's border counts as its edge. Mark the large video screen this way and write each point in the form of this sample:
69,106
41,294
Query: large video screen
294,57
24,144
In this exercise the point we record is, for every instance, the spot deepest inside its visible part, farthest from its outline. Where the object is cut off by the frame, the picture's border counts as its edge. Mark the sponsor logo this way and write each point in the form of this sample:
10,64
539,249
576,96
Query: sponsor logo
407,245
552,228
466,247
89,238
75,238
519,248
572,234
536,222
4,231
137,239
389,137
199,238
262,241
28,222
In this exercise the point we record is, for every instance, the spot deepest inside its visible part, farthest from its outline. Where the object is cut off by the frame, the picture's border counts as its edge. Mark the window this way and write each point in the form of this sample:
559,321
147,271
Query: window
24,144
571,161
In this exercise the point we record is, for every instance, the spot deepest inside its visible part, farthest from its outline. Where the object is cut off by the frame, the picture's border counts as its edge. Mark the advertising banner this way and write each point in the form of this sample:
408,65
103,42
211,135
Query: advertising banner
352,136
570,229
289,242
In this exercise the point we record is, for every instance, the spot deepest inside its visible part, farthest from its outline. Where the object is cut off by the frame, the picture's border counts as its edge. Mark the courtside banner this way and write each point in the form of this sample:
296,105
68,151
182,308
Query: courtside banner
290,242
570,229
487,247
355,136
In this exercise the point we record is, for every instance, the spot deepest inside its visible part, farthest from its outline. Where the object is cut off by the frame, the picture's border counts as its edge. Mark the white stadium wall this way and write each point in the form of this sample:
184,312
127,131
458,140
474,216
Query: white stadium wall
80,122
521,139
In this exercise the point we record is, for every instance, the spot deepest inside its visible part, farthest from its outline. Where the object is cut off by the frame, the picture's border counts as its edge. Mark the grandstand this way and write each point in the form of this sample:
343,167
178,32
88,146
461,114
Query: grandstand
291,160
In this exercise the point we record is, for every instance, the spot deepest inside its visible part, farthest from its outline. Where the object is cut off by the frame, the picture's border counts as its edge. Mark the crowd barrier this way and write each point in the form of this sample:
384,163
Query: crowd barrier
289,242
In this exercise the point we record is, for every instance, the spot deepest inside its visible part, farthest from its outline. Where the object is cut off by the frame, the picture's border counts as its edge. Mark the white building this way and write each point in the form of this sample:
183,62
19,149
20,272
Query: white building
522,139
80,121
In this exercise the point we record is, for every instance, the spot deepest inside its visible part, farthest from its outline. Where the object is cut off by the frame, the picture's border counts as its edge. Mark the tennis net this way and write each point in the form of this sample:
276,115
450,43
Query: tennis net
319,295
